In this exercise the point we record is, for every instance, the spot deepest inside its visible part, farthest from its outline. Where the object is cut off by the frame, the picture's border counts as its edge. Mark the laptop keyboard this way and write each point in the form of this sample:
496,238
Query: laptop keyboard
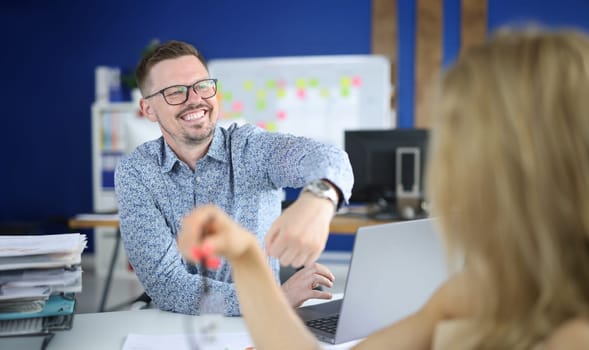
325,324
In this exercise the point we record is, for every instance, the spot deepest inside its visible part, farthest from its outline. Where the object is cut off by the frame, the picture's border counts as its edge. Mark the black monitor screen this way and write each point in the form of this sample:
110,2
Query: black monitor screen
374,155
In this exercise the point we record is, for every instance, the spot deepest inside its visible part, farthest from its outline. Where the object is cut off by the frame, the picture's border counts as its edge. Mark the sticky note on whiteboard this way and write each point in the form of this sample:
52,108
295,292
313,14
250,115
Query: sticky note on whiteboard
313,96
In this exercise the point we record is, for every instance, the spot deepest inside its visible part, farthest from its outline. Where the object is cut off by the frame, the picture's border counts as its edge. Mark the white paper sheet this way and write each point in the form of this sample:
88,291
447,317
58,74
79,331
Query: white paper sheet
24,245
59,280
25,293
224,341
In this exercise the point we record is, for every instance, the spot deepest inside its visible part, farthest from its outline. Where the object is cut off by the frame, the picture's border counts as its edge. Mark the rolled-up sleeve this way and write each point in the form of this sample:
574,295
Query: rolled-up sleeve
294,161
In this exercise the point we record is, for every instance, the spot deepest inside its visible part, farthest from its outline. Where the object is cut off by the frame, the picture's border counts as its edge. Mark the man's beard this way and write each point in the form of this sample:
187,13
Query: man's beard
185,137
197,140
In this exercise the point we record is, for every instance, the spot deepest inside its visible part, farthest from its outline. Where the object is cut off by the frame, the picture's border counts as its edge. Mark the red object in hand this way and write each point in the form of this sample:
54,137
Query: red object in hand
205,252
212,262
197,253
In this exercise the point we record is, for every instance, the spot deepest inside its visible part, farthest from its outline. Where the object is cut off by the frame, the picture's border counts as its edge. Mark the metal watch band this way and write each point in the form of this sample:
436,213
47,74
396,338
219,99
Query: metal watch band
322,189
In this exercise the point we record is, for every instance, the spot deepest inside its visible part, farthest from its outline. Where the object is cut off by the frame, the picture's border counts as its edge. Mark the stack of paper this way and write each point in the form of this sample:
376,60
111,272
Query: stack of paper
39,276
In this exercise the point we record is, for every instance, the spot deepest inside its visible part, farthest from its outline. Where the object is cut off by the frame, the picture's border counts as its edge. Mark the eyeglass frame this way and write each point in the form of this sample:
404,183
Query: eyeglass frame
188,87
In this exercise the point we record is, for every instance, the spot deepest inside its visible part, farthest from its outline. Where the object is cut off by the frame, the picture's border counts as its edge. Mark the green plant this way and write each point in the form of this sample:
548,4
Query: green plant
128,78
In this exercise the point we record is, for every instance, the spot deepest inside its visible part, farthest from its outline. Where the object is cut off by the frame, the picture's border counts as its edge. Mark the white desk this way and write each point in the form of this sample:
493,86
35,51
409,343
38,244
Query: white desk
108,330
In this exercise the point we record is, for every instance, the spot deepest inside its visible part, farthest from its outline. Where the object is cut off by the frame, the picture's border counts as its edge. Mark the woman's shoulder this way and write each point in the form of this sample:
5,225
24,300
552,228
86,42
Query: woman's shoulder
573,334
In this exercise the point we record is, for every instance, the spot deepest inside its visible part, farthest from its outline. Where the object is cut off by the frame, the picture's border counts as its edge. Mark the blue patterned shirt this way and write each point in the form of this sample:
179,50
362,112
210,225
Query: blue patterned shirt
243,173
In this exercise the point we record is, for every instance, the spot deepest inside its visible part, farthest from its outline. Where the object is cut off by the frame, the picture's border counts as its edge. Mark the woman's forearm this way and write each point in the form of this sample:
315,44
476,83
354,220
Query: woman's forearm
272,322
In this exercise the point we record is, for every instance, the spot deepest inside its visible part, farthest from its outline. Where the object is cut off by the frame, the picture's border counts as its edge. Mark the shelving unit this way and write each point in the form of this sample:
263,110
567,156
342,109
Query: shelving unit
117,128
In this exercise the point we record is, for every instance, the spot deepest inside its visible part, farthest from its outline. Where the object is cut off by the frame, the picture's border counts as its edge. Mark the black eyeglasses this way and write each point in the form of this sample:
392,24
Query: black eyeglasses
178,94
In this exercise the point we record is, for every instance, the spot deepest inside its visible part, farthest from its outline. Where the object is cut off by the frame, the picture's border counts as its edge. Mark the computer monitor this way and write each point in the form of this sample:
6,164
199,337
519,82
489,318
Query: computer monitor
388,168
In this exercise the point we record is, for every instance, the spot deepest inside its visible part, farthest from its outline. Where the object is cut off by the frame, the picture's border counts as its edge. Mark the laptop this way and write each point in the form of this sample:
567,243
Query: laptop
394,270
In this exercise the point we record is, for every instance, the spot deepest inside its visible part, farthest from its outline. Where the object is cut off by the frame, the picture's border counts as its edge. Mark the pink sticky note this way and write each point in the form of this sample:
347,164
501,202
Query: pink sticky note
281,83
261,125
281,114
237,106
301,93
357,81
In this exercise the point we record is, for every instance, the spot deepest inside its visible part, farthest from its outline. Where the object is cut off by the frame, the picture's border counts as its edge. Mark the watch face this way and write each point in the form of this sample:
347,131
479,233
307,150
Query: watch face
322,186
322,189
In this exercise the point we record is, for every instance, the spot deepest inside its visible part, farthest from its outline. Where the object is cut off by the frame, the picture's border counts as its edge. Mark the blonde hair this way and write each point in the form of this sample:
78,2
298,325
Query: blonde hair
509,179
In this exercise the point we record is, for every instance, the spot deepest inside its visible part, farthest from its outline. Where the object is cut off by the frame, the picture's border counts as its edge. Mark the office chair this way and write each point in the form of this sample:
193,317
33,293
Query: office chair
141,302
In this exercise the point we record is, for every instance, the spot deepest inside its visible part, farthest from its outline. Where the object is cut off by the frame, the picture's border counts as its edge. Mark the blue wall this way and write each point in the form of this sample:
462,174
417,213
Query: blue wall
50,50
552,13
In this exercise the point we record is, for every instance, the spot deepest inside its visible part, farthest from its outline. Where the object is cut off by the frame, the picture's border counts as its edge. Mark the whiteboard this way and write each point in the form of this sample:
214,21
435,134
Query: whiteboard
313,96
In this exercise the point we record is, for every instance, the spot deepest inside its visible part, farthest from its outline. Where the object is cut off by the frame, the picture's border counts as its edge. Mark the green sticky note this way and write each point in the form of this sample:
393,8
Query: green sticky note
314,82
281,93
261,104
345,91
271,84
227,96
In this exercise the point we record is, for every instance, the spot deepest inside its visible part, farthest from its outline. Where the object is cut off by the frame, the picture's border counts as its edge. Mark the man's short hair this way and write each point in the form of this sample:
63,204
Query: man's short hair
168,50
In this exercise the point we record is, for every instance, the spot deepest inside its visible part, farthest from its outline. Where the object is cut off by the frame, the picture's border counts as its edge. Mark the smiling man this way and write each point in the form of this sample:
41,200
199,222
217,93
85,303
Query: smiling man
240,169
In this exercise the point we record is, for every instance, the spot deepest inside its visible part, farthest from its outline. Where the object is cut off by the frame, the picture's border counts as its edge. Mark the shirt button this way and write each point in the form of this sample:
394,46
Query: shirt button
198,178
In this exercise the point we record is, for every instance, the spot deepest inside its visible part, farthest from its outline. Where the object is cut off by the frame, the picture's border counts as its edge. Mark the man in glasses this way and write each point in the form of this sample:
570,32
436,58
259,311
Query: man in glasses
241,169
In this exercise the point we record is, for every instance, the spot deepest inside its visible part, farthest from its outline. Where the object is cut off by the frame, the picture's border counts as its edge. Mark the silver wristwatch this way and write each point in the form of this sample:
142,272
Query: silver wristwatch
322,189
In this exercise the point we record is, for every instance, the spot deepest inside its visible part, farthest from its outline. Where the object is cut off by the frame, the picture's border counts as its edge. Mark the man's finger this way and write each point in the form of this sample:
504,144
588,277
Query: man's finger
287,257
313,257
322,280
324,271
271,237
277,245
319,294
300,261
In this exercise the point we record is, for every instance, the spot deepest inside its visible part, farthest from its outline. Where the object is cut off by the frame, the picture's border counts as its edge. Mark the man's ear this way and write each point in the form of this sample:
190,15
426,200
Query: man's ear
147,110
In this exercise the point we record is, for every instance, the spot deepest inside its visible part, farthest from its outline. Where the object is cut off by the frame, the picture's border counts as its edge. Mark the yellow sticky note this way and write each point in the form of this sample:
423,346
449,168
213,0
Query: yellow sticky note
271,126
300,83
248,85
345,82
261,94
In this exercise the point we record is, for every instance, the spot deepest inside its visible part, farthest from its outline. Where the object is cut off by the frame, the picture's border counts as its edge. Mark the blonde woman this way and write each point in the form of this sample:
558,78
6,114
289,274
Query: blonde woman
509,180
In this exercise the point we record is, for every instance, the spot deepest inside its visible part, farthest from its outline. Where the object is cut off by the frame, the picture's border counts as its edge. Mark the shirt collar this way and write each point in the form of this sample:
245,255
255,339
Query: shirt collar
216,151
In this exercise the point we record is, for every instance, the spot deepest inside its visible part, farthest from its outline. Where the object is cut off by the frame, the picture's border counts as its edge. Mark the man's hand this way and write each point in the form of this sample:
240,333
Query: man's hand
301,285
299,235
